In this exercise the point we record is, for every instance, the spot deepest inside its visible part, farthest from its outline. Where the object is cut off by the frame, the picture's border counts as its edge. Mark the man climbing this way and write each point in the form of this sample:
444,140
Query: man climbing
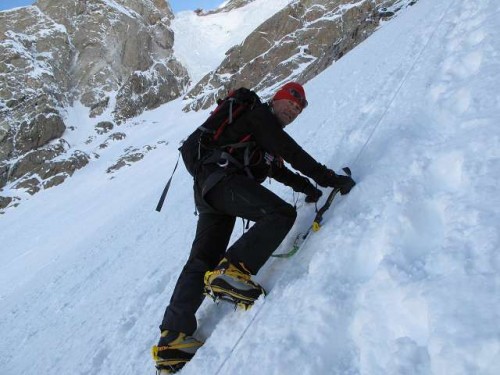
227,185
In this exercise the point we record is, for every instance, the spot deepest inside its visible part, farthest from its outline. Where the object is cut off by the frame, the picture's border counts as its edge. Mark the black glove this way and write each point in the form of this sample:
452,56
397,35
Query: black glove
344,183
312,194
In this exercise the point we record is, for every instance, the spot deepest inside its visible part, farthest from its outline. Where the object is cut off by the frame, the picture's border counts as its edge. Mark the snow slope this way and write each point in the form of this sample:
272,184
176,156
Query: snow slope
201,42
403,278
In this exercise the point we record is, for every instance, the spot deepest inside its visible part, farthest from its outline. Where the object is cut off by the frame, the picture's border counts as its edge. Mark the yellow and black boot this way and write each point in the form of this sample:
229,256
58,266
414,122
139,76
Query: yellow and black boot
233,283
173,351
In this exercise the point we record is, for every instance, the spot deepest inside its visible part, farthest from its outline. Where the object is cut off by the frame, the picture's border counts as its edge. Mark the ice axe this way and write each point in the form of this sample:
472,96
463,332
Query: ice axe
316,225
319,215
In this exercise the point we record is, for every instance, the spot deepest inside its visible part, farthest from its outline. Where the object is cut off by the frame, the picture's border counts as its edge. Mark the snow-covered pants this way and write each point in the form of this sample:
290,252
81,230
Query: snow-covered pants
234,196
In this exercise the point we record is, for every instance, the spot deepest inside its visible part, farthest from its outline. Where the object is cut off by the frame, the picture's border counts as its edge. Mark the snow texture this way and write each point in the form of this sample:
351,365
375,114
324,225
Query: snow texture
202,41
403,277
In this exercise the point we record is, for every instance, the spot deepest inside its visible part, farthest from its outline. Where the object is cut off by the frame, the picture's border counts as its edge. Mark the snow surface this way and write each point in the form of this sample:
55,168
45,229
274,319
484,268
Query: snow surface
403,277
201,42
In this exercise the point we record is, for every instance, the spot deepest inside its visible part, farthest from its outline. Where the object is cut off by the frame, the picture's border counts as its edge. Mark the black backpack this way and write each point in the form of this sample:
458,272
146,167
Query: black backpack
205,140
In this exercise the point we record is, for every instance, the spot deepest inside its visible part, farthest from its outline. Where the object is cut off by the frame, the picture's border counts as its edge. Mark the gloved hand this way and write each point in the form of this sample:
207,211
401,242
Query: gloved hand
312,194
344,183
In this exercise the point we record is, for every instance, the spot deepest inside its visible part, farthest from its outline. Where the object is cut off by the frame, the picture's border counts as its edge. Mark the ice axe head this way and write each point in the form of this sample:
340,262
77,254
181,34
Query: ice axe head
347,171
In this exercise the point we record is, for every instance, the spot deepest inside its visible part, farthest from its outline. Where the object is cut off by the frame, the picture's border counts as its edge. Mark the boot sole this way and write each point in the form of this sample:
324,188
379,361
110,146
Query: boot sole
176,359
229,294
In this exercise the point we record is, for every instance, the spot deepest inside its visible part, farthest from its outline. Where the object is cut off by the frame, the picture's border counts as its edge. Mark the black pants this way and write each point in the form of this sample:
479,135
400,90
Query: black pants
235,196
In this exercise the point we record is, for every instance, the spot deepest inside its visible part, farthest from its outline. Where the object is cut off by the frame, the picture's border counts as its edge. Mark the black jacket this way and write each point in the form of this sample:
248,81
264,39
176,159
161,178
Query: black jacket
270,145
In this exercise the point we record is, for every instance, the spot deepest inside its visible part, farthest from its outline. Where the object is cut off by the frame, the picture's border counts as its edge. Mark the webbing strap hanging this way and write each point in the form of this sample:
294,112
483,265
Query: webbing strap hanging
167,187
231,101
246,224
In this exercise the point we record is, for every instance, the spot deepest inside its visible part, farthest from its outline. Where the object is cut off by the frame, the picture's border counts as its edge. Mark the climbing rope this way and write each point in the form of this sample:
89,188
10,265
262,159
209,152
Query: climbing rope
402,83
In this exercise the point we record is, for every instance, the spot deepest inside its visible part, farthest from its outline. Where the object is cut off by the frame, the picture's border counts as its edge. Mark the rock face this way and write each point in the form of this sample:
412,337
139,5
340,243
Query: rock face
116,58
111,55
123,46
297,43
230,5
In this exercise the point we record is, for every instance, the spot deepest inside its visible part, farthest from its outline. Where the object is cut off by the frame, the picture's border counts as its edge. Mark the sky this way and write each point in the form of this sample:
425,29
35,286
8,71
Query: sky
401,278
177,5
8,4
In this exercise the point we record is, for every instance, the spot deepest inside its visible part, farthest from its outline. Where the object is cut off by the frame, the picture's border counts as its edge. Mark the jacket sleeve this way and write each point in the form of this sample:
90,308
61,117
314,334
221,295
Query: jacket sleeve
269,134
282,174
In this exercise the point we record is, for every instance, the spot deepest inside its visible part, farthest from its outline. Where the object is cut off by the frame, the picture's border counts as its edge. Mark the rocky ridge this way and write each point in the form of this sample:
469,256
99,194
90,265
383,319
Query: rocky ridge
110,55
227,7
115,57
297,43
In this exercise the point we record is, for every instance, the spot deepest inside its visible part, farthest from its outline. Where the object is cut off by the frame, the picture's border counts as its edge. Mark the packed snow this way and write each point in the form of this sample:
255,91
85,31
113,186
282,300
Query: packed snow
201,42
402,278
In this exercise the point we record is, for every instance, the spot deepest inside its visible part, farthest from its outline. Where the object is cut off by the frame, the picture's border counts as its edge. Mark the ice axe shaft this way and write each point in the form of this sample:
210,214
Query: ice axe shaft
319,215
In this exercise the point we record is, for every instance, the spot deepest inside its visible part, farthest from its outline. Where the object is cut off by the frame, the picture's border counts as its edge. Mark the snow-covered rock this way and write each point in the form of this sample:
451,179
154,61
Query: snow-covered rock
110,55
296,43
118,58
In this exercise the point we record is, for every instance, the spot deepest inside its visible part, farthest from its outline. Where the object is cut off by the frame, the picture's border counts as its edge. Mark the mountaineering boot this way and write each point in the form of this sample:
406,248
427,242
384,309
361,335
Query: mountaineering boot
173,351
232,282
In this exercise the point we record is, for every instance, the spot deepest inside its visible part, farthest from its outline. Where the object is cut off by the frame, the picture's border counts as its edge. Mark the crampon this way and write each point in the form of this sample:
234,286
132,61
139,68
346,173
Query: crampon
168,366
239,302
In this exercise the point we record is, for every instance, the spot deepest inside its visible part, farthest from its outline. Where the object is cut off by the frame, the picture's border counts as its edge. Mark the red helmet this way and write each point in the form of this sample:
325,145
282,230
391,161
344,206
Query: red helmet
292,91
